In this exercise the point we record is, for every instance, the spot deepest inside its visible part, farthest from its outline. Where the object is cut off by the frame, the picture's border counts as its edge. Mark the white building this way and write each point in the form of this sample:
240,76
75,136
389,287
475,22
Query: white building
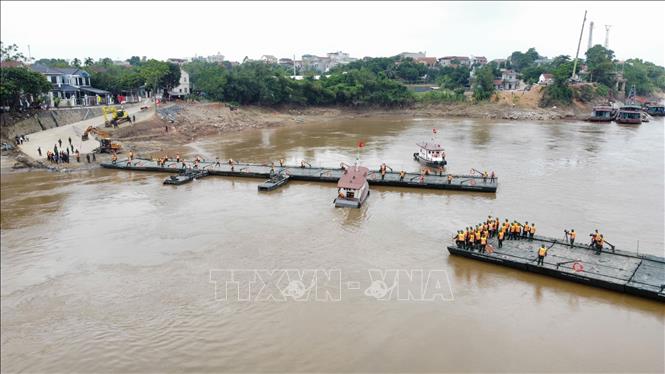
413,55
217,58
269,59
183,88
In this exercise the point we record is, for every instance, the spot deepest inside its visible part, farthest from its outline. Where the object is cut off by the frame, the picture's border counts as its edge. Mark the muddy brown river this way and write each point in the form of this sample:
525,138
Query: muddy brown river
111,271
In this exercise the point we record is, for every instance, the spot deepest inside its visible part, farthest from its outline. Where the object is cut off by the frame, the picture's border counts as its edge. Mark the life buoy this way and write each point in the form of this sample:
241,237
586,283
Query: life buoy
473,182
578,267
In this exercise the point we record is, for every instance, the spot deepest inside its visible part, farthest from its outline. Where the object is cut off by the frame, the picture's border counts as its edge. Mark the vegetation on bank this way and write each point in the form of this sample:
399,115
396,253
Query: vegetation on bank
368,82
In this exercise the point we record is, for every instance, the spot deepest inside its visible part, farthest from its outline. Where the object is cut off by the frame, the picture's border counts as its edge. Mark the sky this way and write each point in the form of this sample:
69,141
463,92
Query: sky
162,30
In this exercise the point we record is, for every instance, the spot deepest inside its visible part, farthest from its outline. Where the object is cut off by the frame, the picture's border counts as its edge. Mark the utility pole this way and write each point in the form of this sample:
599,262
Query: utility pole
590,35
607,36
578,47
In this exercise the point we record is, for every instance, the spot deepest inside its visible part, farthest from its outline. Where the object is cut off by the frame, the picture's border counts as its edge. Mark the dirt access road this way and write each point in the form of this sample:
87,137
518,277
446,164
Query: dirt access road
48,138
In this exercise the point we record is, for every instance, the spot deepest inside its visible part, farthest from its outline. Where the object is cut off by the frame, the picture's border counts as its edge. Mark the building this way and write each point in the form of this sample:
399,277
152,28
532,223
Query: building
177,61
183,88
413,55
500,62
455,61
508,80
339,58
121,63
315,63
478,60
71,87
216,58
428,61
545,79
542,61
269,59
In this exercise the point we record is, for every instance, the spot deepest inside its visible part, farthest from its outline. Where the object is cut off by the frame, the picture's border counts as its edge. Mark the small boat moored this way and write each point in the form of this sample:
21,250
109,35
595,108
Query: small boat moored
185,176
629,114
656,110
602,113
352,187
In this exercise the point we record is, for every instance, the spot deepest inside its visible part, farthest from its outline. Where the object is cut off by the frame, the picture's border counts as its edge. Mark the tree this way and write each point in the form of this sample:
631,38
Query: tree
207,78
89,61
153,72
53,62
10,53
484,86
76,63
600,65
19,83
134,61
171,78
558,91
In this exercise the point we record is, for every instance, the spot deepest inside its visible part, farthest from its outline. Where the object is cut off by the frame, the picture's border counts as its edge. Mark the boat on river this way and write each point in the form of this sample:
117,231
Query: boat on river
655,110
430,155
629,114
276,180
185,176
352,187
602,113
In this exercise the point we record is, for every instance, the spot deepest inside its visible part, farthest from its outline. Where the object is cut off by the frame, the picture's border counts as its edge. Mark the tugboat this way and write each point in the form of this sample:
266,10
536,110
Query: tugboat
352,187
431,154
185,176
602,113
276,180
629,114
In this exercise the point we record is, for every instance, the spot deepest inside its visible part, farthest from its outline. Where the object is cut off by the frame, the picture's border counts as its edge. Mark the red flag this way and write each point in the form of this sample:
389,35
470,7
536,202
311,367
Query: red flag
434,131
361,144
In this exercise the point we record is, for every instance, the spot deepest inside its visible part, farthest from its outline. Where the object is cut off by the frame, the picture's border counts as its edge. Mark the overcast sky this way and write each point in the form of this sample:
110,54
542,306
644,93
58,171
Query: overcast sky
184,29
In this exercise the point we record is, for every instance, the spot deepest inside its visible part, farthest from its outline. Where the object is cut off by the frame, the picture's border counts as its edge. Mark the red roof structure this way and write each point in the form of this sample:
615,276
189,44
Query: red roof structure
353,178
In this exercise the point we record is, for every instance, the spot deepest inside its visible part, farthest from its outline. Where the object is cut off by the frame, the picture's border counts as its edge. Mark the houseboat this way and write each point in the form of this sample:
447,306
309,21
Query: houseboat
352,187
630,114
656,110
431,155
602,113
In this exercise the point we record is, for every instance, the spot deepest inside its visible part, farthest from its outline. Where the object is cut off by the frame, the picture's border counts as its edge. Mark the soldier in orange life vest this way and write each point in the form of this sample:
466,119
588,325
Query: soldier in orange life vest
460,239
500,237
526,230
572,236
532,231
542,252
472,237
600,242
483,243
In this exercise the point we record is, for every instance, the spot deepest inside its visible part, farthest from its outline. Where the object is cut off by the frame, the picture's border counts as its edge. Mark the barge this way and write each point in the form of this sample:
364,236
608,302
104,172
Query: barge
185,176
602,113
352,187
621,271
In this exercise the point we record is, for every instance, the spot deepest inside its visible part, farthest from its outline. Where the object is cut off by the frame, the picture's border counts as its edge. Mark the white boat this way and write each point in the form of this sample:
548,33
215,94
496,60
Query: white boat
431,155
352,187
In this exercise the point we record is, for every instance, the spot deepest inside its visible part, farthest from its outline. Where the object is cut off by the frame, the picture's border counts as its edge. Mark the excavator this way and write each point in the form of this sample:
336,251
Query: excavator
106,146
117,116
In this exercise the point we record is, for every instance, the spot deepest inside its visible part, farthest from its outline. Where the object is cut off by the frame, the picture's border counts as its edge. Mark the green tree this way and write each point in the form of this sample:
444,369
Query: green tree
53,62
559,92
484,85
89,61
134,61
19,83
600,65
153,73
76,63
10,53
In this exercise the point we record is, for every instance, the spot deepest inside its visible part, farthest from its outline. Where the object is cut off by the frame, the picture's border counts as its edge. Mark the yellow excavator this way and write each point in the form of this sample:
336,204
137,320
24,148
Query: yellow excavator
117,116
106,146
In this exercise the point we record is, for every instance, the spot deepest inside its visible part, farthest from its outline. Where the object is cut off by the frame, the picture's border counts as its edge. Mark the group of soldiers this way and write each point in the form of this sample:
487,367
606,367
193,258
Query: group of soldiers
477,237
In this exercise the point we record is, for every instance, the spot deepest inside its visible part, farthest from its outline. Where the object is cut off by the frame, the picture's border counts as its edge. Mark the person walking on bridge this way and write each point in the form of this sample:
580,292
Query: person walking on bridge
39,150
60,142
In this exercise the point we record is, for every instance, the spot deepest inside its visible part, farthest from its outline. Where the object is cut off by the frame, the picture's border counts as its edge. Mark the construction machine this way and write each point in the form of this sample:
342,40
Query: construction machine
106,146
117,116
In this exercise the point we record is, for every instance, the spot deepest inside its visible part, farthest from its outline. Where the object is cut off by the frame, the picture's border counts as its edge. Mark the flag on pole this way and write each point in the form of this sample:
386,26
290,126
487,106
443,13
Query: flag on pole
361,144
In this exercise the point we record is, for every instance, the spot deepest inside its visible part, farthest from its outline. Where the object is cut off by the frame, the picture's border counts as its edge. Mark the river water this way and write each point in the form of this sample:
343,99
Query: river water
112,271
